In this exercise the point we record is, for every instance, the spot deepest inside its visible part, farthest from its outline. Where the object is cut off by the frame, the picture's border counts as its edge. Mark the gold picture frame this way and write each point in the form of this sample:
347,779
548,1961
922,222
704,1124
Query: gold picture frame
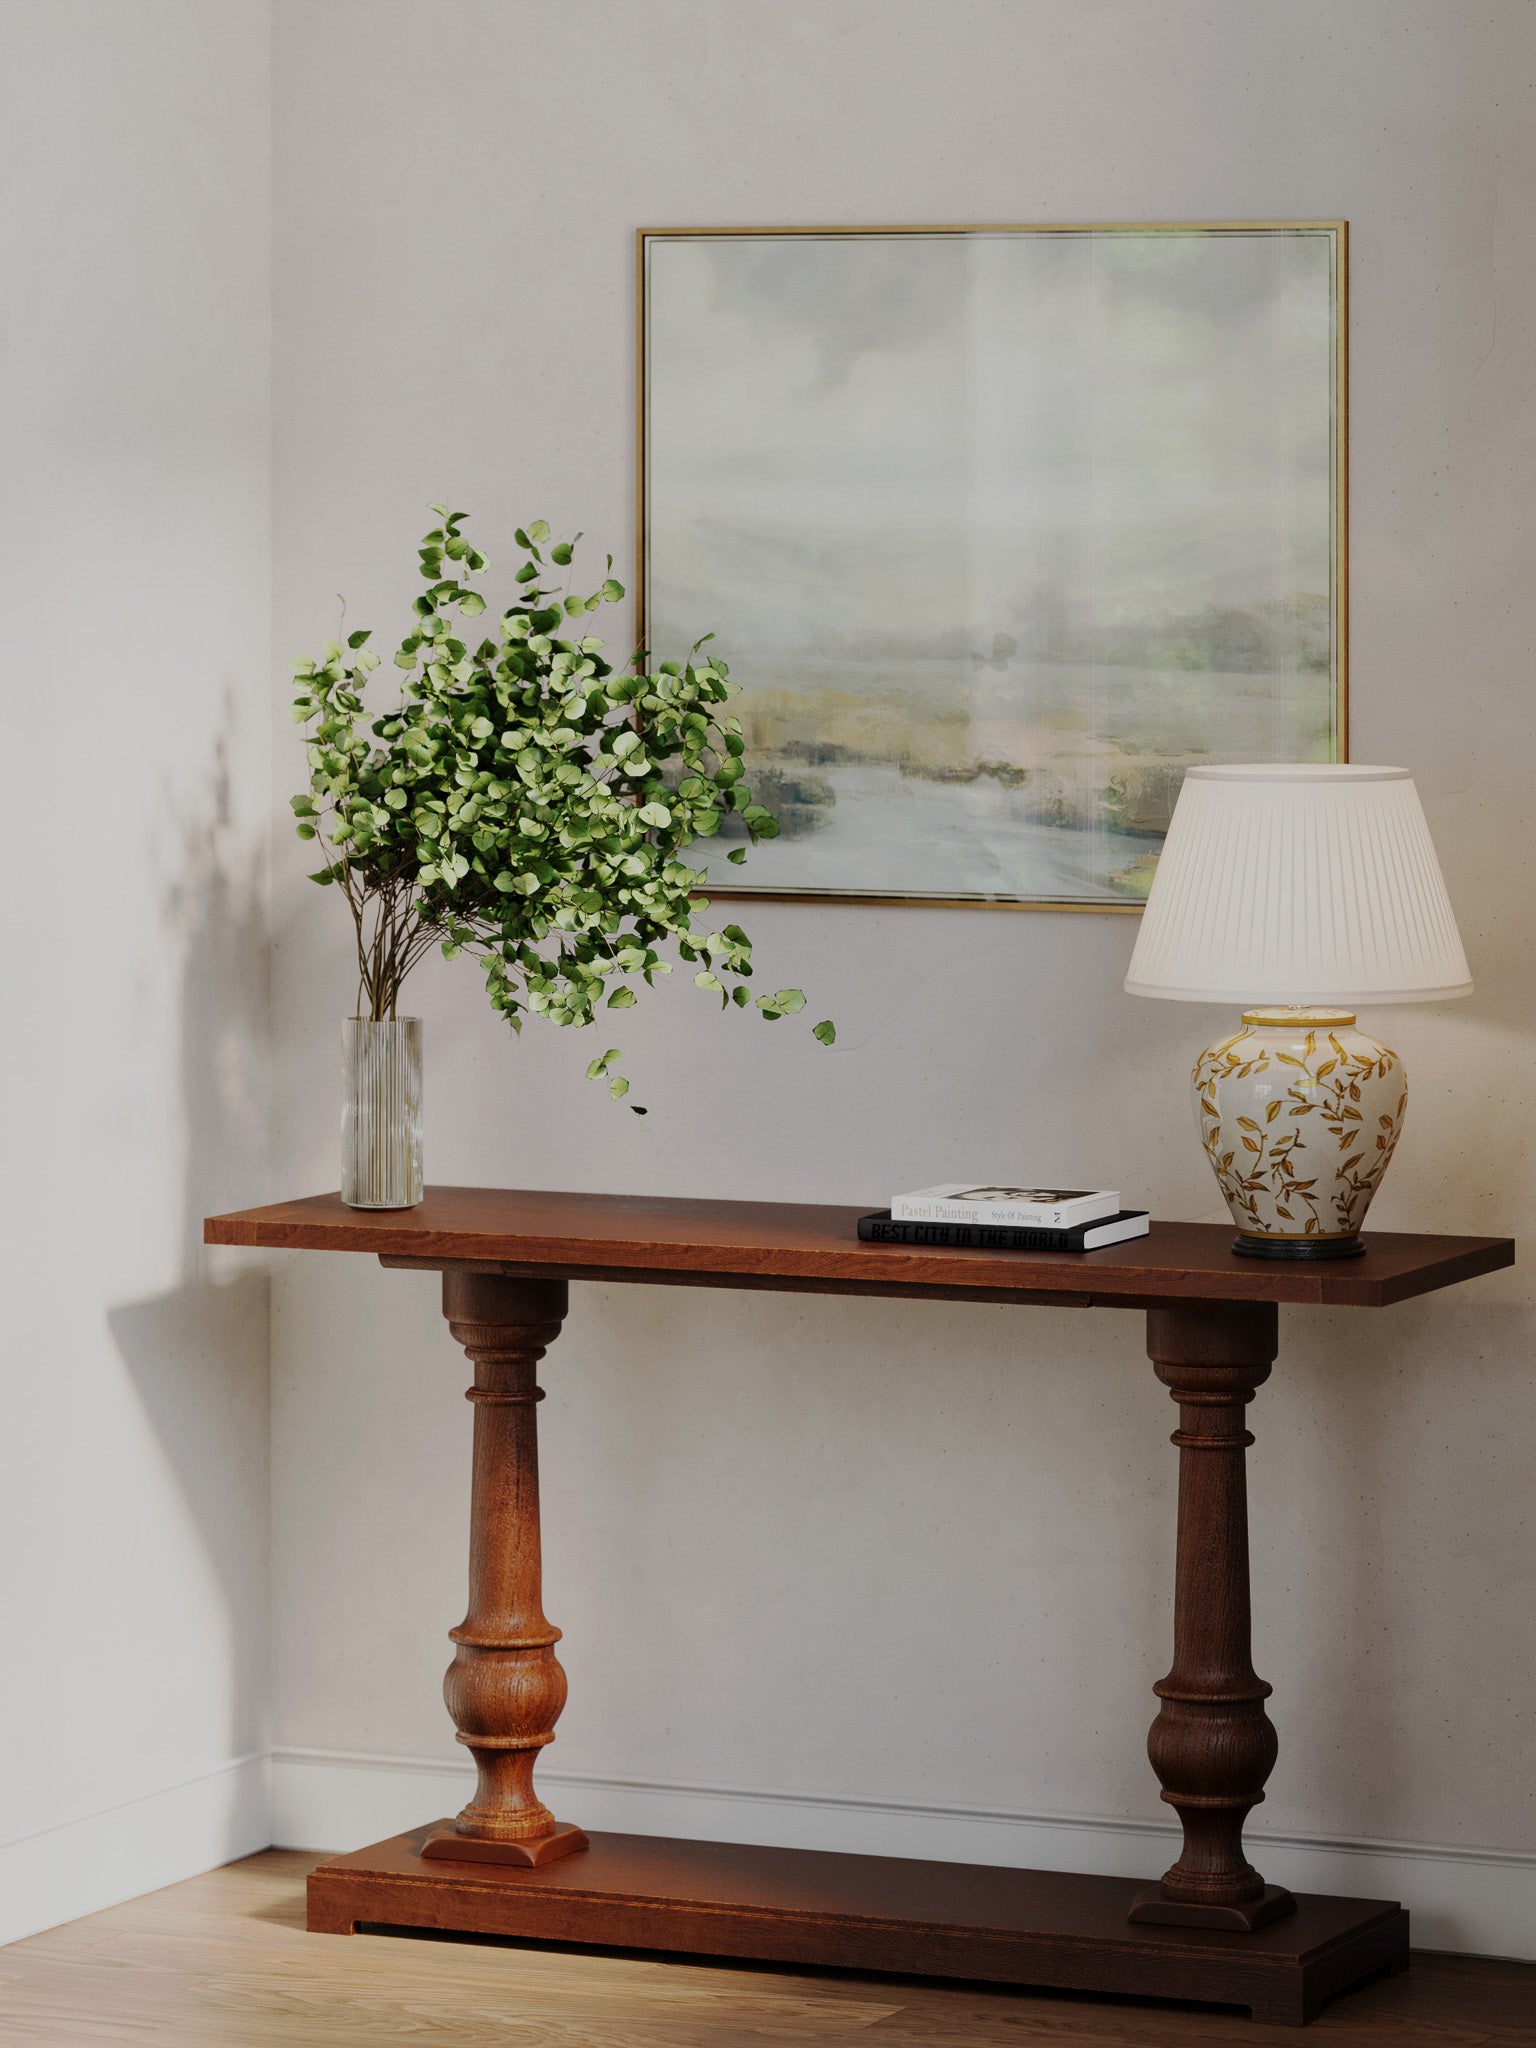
1333,238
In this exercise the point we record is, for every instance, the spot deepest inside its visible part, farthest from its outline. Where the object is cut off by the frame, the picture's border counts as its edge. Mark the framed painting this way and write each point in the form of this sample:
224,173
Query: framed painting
1000,529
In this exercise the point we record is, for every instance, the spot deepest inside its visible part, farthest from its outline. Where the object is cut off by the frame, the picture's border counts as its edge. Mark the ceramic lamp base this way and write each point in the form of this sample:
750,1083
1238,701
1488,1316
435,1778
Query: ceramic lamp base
1298,1113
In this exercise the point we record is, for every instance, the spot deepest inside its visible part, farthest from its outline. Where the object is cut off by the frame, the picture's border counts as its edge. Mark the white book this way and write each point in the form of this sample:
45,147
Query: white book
1015,1207
1116,1230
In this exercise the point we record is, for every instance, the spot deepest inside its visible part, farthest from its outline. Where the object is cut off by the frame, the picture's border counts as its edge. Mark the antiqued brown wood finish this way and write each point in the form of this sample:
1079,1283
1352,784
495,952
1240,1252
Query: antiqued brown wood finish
810,1248
505,1687
1212,1744
1041,1927
1212,1929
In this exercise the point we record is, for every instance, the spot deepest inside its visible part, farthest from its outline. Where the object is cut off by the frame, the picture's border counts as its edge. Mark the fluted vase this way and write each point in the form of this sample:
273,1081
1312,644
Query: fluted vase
381,1112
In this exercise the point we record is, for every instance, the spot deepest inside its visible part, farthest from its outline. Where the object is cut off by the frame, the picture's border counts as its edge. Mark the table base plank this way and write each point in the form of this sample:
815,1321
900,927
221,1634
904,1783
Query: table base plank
1048,1929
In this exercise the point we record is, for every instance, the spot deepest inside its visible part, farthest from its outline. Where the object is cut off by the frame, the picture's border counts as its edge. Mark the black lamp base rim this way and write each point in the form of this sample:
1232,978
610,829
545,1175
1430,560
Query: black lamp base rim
1297,1247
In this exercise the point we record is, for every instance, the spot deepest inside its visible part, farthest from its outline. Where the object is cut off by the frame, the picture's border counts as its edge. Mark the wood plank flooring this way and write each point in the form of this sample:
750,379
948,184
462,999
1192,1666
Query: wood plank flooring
223,1961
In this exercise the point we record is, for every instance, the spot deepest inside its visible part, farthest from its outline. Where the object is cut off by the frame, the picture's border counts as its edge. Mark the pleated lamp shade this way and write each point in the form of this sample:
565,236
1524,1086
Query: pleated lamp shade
1307,884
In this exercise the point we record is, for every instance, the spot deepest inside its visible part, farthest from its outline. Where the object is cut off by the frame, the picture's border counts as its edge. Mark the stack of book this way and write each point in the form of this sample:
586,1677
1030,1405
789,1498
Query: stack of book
1006,1219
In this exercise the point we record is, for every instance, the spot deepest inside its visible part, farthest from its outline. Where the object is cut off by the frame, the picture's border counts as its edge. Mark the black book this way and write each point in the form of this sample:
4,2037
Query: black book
881,1228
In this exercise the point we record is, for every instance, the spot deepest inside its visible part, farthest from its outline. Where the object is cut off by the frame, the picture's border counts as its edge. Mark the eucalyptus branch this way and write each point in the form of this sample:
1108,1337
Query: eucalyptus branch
524,803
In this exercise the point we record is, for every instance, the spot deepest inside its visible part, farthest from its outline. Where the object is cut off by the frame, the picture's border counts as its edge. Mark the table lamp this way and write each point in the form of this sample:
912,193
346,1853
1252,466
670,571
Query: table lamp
1298,891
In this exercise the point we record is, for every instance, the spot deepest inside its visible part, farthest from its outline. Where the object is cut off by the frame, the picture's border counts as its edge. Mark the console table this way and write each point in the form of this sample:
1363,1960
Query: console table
1211,1930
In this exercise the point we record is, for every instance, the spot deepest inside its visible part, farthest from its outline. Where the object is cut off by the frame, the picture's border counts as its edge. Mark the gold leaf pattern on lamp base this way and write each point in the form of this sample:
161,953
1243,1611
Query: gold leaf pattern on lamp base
1299,1112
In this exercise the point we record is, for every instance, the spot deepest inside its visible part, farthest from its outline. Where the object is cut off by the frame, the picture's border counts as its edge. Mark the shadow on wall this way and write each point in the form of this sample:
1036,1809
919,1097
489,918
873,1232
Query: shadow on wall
198,1354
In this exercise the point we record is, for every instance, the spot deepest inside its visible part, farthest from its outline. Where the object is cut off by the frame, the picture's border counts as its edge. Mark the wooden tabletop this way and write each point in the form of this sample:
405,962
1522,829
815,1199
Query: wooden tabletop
812,1248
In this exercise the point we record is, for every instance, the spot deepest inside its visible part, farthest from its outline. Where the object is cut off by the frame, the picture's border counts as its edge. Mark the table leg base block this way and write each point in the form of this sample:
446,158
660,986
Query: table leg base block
446,1845
1025,1927
1151,1909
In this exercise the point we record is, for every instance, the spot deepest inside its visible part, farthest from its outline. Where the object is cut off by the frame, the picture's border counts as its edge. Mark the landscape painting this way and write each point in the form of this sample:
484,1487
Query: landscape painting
1000,531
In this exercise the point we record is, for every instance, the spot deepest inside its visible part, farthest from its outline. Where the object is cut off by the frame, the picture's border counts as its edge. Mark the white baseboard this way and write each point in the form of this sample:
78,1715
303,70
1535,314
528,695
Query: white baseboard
155,1839
1473,1902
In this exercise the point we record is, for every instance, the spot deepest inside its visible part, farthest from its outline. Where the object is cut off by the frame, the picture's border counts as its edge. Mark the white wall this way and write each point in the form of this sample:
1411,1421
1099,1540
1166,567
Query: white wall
830,1572
134,368
850,1551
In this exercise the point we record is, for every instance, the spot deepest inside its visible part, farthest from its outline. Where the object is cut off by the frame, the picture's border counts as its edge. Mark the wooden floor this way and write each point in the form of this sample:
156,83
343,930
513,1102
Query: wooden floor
223,1962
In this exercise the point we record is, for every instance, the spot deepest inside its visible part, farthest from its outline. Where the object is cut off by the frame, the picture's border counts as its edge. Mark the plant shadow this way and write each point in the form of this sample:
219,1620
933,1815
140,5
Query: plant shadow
198,1352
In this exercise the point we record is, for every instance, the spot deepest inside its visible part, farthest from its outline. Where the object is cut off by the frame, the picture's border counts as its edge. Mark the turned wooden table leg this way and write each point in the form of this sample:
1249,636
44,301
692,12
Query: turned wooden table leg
1212,1744
505,1687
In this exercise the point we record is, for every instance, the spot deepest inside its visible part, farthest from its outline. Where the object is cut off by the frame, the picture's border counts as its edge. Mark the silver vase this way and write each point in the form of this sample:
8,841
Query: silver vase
381,1112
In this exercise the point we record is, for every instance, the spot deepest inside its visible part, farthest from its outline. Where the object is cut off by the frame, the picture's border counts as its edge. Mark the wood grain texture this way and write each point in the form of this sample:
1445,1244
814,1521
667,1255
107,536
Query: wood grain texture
1003,1926
1047,1928
1212,1744
812,1248
505,1687
223,1961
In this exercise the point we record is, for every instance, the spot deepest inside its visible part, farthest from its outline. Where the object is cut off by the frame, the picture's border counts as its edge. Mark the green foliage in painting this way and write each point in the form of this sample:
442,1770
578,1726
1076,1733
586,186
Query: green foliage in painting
524,802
